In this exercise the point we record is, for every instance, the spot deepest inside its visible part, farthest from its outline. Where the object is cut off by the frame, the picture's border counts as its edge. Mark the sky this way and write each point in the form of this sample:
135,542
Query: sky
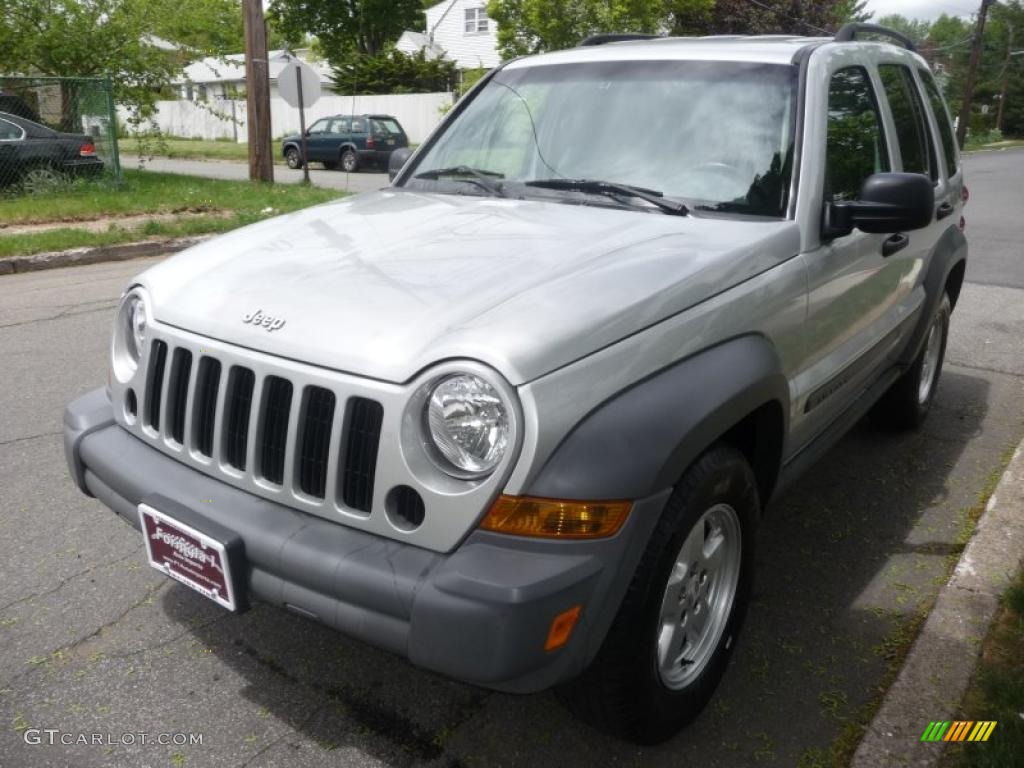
924,9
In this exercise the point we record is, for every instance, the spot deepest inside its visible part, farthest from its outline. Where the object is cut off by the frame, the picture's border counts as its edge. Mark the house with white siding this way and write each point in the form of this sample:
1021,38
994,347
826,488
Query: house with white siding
457,30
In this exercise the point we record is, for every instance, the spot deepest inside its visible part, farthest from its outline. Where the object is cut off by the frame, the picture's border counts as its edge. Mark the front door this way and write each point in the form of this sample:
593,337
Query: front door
854,316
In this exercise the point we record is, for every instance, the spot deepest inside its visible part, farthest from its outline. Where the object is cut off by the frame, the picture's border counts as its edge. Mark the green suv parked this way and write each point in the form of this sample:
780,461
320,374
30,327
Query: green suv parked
350,142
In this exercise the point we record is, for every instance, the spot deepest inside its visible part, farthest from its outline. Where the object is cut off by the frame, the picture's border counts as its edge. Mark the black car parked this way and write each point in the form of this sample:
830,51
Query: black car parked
350,142
34,155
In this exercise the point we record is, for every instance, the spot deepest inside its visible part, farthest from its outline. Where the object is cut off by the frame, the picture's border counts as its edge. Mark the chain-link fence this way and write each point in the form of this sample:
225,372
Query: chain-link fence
56,131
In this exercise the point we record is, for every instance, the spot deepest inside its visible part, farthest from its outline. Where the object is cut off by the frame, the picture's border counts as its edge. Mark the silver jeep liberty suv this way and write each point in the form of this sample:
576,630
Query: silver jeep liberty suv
517,416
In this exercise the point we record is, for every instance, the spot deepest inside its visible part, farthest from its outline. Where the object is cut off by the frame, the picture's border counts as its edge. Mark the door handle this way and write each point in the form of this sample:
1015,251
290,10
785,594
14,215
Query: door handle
946,209
894,244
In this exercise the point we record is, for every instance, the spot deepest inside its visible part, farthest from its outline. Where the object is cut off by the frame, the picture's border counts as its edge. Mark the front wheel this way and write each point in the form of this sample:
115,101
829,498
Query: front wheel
292,158
906,404
671,640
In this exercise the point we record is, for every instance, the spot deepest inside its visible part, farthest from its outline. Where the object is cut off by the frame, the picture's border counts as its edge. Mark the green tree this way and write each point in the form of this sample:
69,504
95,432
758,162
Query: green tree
88,38
916,29
344,28
528,26
209,27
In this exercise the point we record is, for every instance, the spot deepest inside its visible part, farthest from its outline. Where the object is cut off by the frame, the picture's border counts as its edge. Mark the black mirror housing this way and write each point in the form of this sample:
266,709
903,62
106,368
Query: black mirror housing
888,203
398,159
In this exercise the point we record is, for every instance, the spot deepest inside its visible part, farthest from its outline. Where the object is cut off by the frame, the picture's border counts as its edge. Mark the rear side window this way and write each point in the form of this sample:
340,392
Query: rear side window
942,118
855,142
358,125
9,131
339,126
909,116
386,126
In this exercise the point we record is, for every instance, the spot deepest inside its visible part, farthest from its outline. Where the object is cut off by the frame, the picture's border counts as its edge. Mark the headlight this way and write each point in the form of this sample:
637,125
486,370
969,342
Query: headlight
129,336
468,423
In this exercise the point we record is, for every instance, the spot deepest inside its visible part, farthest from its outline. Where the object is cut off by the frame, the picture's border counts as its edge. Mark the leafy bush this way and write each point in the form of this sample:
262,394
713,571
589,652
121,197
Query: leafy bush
394,72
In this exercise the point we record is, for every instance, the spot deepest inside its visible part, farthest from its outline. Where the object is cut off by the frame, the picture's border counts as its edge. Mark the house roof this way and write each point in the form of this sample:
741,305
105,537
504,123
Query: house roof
231,68
414,42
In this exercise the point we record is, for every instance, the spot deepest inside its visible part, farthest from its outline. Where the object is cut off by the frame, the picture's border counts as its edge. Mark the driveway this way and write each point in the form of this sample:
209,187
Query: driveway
94,641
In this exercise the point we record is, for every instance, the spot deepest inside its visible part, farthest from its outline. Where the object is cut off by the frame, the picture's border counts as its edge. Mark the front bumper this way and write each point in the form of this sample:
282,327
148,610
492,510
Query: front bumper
480,614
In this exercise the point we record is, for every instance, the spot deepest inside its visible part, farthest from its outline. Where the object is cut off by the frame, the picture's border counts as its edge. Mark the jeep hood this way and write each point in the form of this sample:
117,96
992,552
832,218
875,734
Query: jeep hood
387,283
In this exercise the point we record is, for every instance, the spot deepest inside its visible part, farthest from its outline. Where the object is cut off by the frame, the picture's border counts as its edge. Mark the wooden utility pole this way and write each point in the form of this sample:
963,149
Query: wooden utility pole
257,88
972,73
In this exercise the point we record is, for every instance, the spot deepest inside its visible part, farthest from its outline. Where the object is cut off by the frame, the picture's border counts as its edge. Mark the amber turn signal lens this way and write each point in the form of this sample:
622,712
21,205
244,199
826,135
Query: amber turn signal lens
561,628
556,519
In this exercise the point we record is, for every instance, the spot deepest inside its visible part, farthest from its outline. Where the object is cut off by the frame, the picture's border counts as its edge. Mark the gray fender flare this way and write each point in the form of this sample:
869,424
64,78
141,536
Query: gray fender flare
640,441
950,251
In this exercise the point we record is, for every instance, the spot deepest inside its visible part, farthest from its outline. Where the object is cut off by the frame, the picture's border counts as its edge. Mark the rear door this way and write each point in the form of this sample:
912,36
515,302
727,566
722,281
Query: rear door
949,187
916,153
357,133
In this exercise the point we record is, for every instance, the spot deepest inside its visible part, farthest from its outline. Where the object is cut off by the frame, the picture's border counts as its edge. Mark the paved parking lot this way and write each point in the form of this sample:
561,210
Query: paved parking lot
93,641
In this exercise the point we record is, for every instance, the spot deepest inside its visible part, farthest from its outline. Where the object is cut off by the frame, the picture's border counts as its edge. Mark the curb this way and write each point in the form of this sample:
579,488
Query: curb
935,676
77,257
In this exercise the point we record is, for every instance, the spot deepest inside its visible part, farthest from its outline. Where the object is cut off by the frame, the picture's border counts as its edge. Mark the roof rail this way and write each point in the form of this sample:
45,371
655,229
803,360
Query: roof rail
849,33
615,37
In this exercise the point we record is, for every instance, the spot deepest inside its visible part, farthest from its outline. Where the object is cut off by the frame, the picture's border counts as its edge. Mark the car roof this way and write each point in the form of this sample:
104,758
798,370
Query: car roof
767,49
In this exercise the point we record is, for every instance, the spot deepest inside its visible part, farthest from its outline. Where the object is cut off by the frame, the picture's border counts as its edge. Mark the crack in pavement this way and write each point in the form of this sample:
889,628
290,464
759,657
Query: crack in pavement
63,582
13,440
149,594
60,316
968,366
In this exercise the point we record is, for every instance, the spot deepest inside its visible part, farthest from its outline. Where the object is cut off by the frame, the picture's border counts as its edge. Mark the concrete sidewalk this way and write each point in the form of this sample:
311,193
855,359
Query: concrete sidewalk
935,676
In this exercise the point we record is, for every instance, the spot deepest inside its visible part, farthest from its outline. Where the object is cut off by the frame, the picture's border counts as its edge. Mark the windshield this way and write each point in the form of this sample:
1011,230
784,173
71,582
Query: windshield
718,135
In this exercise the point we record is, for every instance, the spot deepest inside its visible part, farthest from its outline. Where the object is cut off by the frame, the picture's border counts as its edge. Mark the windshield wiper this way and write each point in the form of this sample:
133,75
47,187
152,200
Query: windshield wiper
613,189
482,178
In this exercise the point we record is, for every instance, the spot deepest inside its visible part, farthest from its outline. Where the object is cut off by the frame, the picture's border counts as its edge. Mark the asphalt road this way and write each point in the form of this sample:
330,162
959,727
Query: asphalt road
362,181
93,641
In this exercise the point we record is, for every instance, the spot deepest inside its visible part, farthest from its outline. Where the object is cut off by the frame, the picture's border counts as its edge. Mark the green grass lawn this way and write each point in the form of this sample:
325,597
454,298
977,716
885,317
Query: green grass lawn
230,204
193,149
997,691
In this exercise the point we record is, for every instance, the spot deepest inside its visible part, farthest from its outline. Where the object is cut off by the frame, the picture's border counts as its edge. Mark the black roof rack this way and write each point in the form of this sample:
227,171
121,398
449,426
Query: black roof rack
849,33
615,37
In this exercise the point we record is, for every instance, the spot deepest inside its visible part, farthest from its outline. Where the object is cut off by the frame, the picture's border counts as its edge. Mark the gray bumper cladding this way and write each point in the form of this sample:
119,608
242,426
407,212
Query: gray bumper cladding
480,613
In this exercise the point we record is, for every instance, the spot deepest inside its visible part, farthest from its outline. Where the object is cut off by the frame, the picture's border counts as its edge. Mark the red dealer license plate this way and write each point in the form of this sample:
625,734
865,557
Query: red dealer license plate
187,555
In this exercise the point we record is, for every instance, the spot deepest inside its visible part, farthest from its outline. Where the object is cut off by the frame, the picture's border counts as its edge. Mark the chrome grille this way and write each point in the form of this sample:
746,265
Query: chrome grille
265,427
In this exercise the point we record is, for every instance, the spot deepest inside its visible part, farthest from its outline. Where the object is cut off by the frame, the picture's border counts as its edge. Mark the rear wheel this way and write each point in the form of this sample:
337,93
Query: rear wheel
41,179
349,161
292,158
908,401
670,642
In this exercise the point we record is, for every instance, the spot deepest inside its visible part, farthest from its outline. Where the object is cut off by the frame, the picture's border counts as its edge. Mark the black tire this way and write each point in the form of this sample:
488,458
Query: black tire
906,404
293,158
623,692
349,161
42,178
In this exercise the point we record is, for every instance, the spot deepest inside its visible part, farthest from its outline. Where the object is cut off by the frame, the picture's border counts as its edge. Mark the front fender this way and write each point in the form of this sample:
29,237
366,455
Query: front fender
641,441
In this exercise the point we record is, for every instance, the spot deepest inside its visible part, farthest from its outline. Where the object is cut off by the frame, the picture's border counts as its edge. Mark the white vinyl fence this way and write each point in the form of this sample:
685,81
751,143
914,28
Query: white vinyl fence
419,114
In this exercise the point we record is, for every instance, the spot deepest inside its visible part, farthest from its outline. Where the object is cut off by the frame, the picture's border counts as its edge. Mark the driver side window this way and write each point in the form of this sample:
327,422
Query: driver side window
320,126
855,140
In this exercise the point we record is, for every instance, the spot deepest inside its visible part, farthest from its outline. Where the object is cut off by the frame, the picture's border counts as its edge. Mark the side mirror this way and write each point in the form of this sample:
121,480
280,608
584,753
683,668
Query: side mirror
398,158
888,203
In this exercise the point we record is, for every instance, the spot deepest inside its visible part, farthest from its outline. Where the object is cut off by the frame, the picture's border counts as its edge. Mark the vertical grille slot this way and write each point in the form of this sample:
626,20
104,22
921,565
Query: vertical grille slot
277,402
205,408
177,393
237,405
315,442
155,383
360,440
